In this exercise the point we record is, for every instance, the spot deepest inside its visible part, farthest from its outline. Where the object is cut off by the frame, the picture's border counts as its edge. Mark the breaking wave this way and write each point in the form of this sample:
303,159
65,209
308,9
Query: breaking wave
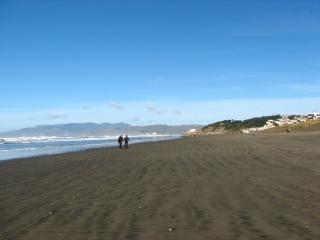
20,147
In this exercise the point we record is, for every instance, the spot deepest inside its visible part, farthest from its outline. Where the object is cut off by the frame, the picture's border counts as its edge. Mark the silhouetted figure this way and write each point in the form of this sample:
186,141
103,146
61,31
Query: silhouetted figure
120,140
126,141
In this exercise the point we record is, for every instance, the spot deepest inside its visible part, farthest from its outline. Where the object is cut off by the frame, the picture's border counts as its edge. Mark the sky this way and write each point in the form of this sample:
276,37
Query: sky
156,61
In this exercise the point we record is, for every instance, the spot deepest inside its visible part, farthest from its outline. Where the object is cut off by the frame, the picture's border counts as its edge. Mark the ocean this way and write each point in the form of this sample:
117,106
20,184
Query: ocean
21,147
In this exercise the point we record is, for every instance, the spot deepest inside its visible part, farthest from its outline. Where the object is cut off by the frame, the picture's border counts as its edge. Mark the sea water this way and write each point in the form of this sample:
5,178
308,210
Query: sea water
21,147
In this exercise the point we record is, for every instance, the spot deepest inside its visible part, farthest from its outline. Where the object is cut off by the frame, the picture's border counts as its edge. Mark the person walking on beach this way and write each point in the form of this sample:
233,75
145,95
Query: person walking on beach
120,140
126,141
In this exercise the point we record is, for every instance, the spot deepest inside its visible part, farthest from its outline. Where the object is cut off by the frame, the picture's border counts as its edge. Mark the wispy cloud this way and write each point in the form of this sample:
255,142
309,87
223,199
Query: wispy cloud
279,30
134,119
153,109
155,82
168,112
51,116
315,86
117,106
176,112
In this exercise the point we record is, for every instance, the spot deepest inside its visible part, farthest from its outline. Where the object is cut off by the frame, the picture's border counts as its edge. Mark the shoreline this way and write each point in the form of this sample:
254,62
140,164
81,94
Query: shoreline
115,145
253,134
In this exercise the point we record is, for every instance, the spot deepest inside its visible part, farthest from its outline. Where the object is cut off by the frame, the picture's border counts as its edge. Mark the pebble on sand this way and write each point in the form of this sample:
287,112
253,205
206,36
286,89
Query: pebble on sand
171,229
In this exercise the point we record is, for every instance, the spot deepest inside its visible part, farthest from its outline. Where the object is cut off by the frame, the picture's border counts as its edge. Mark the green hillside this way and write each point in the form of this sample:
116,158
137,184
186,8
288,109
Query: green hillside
237,125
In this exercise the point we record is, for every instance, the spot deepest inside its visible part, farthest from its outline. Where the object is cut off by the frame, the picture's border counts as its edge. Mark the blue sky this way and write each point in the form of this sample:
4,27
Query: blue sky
156,61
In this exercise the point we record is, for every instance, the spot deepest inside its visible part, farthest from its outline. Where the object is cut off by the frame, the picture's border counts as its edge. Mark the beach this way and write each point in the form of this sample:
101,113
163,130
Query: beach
264,186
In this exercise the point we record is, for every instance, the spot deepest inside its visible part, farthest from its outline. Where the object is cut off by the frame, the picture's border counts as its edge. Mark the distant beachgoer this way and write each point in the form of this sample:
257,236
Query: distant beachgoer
120,140
288,130
126,141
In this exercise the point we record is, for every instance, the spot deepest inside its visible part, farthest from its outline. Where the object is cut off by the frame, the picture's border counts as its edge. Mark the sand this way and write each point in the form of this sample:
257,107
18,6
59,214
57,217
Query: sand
217,187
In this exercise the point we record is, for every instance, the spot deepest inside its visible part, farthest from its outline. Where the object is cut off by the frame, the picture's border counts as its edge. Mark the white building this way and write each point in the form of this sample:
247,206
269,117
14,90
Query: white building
313,116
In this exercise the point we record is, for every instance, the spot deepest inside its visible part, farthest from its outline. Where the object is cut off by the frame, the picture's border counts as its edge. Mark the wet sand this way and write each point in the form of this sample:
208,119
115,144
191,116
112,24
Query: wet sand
217,187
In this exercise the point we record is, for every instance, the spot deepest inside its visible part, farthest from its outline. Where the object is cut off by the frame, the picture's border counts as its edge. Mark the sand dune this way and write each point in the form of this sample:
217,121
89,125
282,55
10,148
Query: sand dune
218,187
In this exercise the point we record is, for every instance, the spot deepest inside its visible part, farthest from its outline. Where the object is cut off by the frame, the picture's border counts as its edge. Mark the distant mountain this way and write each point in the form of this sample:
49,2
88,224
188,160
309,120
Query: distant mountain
97,129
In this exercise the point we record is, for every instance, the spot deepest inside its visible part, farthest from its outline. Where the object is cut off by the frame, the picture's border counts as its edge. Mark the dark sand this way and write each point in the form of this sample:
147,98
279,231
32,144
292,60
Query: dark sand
218,187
